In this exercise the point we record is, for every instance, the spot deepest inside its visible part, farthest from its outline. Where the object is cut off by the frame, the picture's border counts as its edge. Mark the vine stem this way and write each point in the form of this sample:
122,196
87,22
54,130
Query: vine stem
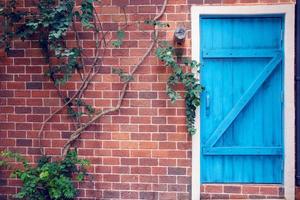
75,135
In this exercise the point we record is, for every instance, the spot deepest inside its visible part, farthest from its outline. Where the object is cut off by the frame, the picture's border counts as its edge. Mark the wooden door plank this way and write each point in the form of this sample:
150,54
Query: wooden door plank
242,151
243,101
239,53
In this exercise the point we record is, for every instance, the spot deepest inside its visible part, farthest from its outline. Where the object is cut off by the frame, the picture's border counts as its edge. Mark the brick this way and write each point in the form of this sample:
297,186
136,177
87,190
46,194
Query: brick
140,170
177,187
213,188
176,171
16,69
141,186
148,179
148,161
159,120
6,93
256,196
6,77
148,128
159,137
149,195
121,169
111,194
85,35
111,178
34,118
139,2
120,153
121,186
23,126
238,196
34,85
129,161
167,196
269,190
148,145
111,161
23,142
129,178
140,120
147,95
232,189
250,189
120,52
167,128
122,3
219,196
41,110
16,53
167,179
140,136
167,145
140,153
129,195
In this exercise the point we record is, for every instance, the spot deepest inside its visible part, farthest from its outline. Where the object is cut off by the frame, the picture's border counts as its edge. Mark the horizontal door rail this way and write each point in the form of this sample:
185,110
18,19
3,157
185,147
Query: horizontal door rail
240,53
264,151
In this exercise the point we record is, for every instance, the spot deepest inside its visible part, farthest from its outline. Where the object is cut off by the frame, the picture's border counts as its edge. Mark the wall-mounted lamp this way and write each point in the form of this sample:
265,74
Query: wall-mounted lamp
179,35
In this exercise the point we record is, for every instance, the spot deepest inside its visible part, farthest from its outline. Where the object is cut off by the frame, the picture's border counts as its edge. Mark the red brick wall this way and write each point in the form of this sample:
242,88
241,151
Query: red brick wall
142,151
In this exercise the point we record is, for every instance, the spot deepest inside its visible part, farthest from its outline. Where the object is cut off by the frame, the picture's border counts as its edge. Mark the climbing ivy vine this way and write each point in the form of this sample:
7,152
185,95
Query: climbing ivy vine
48,179
52,21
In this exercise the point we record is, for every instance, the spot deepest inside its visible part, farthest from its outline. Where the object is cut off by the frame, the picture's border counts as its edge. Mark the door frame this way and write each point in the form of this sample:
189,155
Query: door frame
288,11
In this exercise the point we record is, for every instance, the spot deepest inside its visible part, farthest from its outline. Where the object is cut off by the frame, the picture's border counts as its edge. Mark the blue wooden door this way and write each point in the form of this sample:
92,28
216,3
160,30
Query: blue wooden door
241,111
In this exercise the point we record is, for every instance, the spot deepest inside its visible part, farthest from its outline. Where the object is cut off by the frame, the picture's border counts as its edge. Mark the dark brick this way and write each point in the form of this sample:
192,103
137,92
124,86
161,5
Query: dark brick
15,53
119,3
41,110
6,77
65,134
176,171
24,142
6,93
22,110
34,85
183,196
3,197
204,196
232,189
195,1
111,194
139,2
85,35
23,126
149,195
34,151
177,187
212,1
38,78
219,196
257,197
110,26
167,179
3,182
281,192
148,95
129,195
